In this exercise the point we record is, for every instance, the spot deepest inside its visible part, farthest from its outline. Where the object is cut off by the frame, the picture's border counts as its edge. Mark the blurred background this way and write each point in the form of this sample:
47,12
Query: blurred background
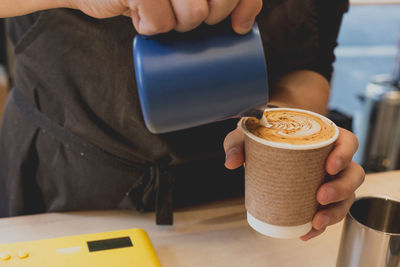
367,46
364,96
366,73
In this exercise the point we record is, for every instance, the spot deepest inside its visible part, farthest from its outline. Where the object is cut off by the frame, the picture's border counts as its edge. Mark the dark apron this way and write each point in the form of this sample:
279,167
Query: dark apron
73,137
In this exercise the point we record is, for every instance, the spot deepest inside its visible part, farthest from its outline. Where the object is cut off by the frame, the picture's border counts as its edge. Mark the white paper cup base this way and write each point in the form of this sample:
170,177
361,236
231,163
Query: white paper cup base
276,231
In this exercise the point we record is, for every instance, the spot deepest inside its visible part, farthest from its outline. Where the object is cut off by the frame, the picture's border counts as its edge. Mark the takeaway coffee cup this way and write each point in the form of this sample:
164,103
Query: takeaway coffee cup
206,75
371,234
284,166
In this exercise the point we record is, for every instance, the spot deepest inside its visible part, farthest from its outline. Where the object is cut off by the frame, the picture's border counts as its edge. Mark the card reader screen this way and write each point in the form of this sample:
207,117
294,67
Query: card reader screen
106,244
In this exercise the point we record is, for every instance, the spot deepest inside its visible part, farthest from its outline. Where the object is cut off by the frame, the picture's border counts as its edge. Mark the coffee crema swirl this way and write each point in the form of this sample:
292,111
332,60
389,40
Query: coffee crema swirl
292,127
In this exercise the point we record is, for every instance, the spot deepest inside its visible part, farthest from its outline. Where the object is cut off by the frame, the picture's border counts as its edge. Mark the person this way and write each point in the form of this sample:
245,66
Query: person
73,137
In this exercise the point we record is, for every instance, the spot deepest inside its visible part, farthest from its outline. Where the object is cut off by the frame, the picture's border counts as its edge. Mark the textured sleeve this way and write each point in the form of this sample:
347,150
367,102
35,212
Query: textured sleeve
329,16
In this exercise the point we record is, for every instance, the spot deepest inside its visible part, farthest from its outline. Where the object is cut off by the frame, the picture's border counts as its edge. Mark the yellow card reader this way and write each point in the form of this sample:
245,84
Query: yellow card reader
131,247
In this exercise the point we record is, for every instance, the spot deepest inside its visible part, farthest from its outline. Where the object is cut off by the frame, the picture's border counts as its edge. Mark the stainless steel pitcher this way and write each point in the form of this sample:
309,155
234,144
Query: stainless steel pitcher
371,234
378,128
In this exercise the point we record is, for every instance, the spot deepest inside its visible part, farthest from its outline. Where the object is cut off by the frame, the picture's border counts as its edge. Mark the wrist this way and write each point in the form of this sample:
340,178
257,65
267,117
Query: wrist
51,4
302,89
12,8
31,6
67,4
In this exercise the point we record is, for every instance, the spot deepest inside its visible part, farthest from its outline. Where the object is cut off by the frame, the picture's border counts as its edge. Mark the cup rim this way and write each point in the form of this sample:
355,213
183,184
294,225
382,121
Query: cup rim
291,146
383,197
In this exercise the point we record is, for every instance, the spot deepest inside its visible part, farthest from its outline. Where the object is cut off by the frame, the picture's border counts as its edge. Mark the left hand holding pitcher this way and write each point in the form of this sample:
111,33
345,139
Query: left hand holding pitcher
158,16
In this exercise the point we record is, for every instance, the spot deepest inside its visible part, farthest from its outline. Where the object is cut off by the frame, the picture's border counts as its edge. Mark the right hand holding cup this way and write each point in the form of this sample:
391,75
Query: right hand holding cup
335,195
158,16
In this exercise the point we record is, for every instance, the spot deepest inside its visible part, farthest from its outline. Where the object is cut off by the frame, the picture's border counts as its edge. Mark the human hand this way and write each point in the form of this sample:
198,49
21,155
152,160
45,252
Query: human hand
158,16
335,195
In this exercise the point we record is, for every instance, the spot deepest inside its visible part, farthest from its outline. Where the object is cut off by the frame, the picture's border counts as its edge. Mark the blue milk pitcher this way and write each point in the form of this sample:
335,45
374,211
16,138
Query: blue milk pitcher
202,76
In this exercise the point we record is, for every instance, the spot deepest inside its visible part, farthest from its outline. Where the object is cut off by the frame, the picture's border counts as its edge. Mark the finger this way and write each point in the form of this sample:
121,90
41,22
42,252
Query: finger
344,148
342,186
332,214
189,13
244,14
219,10
313,233
234,149
151,16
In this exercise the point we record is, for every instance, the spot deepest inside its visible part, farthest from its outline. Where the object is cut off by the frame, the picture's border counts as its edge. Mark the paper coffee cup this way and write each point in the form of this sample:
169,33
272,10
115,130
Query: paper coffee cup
281,181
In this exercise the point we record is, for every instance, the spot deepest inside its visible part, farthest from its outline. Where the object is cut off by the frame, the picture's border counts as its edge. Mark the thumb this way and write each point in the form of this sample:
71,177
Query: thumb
234,149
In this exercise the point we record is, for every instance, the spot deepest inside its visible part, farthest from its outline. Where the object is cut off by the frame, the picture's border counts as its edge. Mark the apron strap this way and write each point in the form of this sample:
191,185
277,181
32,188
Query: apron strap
156,190
64,136
164,196
155,186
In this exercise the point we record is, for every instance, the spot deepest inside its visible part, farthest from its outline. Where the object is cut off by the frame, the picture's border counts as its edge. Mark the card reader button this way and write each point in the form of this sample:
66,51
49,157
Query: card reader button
4,256
23,254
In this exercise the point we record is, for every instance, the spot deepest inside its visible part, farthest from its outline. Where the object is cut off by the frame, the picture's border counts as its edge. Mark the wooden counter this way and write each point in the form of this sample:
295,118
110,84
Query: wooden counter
216,234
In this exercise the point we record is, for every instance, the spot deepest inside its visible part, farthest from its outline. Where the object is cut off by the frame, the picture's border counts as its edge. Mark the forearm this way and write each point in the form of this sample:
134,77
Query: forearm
302,89
11,8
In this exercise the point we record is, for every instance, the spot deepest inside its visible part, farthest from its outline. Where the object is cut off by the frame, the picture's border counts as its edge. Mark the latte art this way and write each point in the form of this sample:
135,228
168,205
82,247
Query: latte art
292,127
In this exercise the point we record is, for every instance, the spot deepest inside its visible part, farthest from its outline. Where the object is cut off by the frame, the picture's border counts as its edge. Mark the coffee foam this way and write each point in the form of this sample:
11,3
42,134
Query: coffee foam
292,128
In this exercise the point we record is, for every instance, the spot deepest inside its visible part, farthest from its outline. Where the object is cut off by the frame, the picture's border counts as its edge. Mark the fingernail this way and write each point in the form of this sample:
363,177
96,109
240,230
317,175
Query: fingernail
231,152
330,195
305,237
339,164
324,221
245,27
